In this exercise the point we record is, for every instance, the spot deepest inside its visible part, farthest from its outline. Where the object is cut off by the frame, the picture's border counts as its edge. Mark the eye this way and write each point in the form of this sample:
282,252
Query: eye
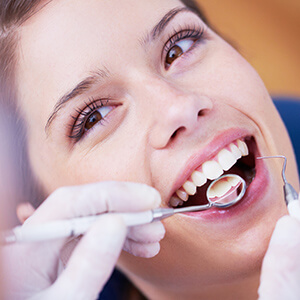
178,49
94,113
97,116
181,42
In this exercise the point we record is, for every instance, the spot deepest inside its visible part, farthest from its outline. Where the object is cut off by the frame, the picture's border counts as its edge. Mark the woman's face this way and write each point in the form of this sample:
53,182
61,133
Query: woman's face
144,91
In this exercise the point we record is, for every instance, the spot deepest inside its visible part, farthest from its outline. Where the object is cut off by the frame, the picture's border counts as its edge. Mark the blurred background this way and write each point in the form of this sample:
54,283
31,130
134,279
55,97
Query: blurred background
267,33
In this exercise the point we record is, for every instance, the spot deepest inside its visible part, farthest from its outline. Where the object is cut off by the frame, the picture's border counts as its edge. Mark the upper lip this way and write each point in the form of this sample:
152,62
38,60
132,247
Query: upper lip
218,142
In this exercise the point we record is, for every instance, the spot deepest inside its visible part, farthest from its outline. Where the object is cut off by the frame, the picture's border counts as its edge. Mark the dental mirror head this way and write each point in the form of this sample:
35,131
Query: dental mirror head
223,192
226,191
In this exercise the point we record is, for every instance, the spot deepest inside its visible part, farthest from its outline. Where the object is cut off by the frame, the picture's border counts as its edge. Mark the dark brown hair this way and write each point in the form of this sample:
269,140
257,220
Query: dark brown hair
12,14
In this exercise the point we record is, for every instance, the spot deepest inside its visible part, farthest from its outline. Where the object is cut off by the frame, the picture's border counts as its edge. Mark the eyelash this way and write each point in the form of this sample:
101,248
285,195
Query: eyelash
195,33
77,129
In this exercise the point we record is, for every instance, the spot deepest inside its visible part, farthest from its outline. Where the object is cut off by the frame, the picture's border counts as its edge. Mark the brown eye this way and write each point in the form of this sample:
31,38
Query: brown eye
97,116
94,114
178,49
173,54
93,119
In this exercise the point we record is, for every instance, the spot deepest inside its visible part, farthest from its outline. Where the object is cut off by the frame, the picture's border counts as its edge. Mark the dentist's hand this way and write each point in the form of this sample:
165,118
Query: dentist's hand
280,277
32,268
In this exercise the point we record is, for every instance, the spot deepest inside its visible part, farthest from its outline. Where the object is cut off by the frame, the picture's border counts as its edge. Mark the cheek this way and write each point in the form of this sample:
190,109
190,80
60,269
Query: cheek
225,76
103,163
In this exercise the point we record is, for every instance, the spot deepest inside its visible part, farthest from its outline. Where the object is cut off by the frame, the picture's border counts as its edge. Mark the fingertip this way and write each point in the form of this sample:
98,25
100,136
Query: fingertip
152,250
141,197
156,197
287,223
294,209
147,233
142,250
162,230
286,231
153,197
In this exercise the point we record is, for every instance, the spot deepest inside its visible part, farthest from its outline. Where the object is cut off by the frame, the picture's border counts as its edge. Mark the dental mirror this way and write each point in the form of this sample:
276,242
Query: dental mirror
226,191
223,192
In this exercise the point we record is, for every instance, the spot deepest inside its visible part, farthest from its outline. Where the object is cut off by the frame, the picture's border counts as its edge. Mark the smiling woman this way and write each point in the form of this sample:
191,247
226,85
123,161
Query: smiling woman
144,91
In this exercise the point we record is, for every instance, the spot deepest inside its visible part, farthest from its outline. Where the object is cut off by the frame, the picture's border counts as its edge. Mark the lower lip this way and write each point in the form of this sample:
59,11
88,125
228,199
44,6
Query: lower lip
254,193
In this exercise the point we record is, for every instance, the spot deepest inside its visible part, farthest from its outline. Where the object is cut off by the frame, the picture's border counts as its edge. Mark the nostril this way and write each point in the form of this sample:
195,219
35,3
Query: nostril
201,113
176,132
174,135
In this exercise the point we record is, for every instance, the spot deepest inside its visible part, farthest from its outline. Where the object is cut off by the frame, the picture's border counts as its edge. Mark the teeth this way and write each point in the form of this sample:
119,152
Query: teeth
243,147
235,151
219,189
190,188
226,159
182,195
198,178
212,169
174,201
223,186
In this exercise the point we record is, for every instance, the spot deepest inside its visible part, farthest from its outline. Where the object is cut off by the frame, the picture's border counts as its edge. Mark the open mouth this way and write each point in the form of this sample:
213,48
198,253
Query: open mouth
237,158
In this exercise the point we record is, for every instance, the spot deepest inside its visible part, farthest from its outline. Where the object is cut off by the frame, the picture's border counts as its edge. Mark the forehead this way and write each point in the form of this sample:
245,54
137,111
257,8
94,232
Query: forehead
66,39
75,26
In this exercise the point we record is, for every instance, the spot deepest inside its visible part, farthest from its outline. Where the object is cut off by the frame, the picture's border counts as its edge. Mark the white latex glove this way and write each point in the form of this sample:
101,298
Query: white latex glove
280,277
31,268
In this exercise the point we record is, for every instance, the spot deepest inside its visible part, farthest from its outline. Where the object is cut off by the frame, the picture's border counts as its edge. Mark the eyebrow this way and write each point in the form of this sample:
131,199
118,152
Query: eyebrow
82,87
162,24
96,77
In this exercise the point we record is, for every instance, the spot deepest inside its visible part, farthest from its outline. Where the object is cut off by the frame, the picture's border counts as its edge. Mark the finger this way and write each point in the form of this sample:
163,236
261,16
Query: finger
281,266
24,211
148,233
92,261
91,199
141,249
294,209
68,248
286,234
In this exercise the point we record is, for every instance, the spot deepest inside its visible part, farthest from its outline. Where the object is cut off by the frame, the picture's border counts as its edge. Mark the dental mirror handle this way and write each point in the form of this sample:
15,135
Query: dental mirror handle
162,213
66,228
78,226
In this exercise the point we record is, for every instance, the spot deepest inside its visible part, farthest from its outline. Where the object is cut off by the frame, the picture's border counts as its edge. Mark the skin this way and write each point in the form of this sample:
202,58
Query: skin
160,117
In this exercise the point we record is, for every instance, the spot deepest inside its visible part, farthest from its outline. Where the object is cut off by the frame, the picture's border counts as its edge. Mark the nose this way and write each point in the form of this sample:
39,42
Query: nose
174,112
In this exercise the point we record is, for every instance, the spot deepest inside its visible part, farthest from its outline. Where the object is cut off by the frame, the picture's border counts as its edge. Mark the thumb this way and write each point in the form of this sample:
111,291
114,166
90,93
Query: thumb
281,266
92,261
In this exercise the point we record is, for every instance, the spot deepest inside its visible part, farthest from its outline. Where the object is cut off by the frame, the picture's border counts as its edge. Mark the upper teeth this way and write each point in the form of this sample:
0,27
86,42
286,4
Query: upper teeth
211,169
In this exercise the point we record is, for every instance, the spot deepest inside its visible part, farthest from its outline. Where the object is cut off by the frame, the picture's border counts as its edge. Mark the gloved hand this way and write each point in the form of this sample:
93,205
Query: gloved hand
280,277
31,269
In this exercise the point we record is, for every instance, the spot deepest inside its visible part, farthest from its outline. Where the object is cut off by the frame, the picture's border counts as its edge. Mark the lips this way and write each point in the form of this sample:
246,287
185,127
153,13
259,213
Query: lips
237,157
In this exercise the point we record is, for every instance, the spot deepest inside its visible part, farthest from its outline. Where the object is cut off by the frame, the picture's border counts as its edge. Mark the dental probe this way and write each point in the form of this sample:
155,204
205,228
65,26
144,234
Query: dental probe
290,194
78,226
